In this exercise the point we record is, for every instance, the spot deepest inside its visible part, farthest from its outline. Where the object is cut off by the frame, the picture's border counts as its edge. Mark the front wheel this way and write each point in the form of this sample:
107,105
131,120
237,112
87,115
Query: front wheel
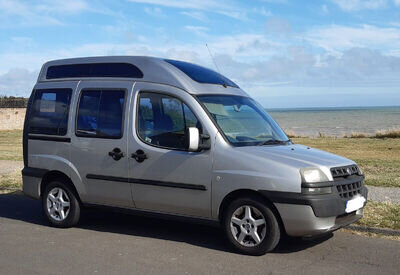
251,226
60,205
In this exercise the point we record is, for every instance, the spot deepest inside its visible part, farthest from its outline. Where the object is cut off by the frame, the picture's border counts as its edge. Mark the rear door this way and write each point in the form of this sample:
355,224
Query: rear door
99,141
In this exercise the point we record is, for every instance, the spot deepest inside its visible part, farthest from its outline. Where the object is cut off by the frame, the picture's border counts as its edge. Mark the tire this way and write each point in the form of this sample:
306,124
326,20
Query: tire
60,205
249,235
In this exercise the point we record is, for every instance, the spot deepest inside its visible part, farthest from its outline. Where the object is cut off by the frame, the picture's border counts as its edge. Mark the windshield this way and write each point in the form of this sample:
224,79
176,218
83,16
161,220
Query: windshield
243,121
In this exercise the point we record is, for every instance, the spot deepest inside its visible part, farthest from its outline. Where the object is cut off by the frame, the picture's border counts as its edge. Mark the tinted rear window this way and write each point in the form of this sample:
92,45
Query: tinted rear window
50,110
100,113
124,70
201,74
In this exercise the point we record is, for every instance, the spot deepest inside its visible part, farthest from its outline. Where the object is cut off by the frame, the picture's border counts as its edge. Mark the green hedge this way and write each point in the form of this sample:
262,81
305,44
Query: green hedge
13,102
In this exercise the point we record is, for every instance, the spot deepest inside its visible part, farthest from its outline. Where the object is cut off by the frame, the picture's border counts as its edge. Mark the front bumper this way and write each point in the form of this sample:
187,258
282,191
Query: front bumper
300,220
309,215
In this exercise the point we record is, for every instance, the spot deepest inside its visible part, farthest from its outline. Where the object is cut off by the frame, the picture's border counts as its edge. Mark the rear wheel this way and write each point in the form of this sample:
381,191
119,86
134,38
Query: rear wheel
251,226
60,205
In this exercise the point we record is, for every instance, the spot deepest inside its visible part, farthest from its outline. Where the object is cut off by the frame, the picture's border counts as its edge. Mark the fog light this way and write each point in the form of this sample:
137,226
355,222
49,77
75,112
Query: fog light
316,190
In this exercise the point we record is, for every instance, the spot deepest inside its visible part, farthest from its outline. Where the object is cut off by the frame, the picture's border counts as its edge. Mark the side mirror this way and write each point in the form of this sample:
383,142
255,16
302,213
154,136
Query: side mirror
194,139
197,141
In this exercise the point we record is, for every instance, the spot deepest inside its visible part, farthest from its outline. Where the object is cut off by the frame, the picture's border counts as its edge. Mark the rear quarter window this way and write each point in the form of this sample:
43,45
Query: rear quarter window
50,109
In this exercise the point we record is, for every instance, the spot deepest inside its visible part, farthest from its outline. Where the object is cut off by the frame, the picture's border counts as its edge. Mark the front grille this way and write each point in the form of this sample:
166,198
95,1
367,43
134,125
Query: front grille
349,190
347,180
344,171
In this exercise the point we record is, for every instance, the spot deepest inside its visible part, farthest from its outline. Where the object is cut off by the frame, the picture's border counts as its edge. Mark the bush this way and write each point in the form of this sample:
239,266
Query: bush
13,102
392,133
358,135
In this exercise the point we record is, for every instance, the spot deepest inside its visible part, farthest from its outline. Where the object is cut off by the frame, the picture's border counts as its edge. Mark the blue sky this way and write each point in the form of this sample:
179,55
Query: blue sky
285,53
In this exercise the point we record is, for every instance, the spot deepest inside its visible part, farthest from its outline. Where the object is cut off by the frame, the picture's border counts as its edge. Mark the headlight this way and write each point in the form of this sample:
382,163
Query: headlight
312,175
360,171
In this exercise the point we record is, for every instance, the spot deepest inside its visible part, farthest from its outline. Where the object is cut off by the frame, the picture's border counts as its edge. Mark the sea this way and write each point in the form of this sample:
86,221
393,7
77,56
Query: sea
336,121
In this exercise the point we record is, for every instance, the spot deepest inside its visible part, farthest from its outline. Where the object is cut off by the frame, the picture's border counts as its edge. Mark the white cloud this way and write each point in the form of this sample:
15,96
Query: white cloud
17,81
357,67
47,12
278,25
62,6
196,15
396,2
199,30
336,38
154,11
222,7
262,11
23,14
276,1
356,5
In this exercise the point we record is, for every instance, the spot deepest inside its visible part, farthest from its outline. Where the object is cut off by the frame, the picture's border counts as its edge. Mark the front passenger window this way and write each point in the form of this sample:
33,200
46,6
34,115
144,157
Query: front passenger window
163,120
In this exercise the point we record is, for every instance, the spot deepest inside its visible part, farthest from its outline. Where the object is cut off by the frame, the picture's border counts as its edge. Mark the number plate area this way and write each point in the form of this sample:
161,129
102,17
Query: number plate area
355,204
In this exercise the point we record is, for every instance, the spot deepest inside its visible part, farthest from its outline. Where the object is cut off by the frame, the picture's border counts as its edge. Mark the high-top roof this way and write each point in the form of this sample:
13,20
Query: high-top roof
144,69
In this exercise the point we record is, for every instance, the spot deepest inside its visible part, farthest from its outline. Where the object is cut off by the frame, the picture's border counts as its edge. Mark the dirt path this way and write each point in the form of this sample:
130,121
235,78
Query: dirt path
381,194
10,166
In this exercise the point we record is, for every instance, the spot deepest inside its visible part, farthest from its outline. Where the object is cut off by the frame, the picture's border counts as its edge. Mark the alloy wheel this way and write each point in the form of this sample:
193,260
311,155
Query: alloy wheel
58,204
248,226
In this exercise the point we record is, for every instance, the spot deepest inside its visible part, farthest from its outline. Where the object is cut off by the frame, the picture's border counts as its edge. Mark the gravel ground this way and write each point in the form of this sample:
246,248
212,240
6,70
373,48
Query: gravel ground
381,194
10,166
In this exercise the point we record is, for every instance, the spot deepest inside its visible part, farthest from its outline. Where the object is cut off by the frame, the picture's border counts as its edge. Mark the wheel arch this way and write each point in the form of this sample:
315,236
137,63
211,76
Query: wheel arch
56,175
240,193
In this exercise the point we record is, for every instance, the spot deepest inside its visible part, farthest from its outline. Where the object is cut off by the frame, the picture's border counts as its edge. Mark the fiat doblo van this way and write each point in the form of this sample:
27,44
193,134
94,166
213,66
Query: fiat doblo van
175,138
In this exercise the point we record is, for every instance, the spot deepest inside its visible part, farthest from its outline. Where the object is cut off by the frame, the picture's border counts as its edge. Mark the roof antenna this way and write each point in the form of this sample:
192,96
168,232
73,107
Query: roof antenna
216,66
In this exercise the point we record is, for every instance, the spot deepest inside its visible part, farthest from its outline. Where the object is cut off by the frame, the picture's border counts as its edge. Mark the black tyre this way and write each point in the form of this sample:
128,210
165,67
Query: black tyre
251,226
60,205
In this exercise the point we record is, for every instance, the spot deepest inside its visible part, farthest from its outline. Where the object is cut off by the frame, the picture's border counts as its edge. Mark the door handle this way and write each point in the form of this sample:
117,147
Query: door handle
139,155
116,154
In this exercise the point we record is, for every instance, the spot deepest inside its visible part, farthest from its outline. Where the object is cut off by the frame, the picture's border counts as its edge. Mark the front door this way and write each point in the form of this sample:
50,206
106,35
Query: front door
165,176
99,142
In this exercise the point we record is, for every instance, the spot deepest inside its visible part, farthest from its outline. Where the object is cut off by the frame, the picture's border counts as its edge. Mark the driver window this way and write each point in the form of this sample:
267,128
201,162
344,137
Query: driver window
163,120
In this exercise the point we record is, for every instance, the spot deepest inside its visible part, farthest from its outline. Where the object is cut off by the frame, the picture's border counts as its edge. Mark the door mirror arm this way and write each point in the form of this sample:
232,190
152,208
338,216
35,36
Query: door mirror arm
205,142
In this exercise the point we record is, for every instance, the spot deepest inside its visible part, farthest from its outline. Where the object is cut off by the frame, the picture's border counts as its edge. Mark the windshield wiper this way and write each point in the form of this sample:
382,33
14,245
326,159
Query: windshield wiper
274,141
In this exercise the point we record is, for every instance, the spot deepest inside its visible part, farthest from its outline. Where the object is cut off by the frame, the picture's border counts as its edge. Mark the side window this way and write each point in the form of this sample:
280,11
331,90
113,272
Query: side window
50,110
100,113
163,120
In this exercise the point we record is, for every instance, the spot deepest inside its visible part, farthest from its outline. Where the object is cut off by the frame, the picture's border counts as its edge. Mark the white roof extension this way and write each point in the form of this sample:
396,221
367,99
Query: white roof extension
155,70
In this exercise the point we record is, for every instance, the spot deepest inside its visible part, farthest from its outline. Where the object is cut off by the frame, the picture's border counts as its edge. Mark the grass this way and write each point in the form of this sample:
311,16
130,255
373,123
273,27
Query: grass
381,214
379,158
11,145
11,181
358,135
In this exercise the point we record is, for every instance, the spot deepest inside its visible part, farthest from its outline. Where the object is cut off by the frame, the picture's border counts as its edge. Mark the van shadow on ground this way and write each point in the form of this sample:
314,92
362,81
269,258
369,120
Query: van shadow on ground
21,208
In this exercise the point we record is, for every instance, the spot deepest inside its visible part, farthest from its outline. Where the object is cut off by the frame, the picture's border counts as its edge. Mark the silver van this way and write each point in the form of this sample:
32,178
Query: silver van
170,137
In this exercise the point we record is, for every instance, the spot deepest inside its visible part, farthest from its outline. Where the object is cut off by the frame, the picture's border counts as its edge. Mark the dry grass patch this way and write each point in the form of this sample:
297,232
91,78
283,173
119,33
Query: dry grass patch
392,133
11,145
369,234
11,181
291,134
358,135
381,214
